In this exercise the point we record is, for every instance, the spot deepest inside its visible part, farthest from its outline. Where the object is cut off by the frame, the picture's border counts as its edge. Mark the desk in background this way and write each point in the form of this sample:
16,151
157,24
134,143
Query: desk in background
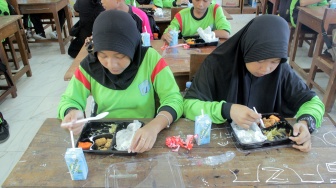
9,25
312,18
43,162
52,7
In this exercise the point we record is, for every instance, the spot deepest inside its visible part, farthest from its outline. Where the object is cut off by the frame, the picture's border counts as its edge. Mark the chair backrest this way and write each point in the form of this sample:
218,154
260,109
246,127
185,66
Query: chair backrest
175,10
195,62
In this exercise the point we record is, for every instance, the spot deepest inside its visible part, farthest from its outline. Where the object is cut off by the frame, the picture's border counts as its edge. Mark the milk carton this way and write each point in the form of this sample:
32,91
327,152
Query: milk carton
203,129
75,160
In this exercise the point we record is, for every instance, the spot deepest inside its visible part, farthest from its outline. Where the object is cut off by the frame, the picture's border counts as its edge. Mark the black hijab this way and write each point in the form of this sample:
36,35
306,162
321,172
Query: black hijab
115,30
223,74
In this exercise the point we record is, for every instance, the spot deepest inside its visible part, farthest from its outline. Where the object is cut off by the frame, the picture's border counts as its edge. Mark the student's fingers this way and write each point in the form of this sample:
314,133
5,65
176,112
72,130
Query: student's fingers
306,147
134,143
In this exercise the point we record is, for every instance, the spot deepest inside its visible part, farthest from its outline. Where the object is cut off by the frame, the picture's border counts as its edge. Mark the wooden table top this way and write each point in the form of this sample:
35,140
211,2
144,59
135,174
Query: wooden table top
316,12
43,162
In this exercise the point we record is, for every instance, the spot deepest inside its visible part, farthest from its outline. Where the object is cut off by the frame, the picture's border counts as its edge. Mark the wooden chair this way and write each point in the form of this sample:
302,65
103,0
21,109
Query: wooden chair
175,10
324,63
10,87
308,36
195,62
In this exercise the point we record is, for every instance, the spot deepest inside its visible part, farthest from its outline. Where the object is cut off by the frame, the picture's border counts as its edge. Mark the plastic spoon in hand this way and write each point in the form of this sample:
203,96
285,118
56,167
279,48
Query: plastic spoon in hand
99,116
261,121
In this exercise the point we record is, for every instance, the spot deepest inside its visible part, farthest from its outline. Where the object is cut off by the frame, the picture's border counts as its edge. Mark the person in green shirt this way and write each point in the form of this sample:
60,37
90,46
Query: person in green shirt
202,14
123,77
250,70
4,11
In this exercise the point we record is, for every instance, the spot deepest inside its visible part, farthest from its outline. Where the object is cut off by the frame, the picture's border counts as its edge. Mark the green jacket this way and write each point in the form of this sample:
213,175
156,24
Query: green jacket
137,101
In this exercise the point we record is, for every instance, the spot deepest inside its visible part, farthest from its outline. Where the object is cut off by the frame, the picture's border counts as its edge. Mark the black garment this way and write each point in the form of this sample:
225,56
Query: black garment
116,30
88,11
224,76
36,20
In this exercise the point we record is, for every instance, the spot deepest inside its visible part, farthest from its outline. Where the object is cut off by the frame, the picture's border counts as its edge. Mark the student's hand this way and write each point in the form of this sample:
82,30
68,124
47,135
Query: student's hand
88,40
301,136
243,115
166,37
144,138
73,116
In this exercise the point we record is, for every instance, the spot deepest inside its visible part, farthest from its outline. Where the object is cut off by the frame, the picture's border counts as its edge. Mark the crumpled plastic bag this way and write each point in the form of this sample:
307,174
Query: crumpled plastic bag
249,136
158,12
207,35
124,137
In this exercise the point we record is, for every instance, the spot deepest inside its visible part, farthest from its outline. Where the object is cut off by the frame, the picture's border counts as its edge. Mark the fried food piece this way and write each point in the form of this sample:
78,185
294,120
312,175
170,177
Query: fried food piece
270,121
190,41
100,142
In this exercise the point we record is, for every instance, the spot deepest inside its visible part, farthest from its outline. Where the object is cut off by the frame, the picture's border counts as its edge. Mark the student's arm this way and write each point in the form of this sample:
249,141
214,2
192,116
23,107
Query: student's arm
168,3
75,95
174,25
158,3
313,108
223,26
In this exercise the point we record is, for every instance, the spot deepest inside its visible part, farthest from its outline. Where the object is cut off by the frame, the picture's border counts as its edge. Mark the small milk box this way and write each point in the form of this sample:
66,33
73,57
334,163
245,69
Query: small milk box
75,160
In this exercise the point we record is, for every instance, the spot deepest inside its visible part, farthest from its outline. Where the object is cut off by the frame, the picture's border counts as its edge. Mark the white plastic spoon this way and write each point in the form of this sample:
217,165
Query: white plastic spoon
99,116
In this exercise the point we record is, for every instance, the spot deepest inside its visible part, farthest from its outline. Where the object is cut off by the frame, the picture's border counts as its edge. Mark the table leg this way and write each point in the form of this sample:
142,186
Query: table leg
58,30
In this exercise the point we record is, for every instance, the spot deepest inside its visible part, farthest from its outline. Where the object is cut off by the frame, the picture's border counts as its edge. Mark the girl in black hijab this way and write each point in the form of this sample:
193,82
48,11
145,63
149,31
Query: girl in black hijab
250,70
123,77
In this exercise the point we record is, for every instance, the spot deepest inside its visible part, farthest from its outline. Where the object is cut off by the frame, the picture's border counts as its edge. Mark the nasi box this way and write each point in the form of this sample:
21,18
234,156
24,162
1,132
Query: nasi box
99,136
276,134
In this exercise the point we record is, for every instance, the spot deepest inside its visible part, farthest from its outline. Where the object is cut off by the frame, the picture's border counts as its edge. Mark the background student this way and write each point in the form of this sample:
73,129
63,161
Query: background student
202,14
250,70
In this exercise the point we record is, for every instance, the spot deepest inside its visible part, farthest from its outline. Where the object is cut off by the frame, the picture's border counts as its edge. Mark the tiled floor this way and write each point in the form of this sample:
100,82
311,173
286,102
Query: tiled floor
38,96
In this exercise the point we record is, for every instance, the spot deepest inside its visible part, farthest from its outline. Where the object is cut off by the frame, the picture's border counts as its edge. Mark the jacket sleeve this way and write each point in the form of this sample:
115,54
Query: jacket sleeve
315,108
158,3
167,3
221,22
166,87
76,93
174,24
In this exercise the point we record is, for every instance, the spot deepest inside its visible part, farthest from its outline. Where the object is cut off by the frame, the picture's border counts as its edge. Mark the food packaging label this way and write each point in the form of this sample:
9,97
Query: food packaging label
203,129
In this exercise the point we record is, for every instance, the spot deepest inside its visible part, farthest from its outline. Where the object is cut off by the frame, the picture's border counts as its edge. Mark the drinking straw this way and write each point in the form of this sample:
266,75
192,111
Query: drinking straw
72,139
145,29
261,122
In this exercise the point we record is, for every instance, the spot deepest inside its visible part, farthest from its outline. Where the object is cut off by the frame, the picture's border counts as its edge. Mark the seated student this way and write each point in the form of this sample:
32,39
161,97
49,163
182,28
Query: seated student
202,14
122,77
4,11
250,70
88,11
289,11
138,15
38,26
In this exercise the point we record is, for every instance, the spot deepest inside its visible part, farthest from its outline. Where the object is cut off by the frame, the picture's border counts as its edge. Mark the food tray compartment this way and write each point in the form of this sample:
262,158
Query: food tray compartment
280,133
199,42
100,129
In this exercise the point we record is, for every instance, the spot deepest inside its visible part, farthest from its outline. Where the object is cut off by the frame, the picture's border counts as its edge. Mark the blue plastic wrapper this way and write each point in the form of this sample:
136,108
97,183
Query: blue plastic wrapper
75,160
202,129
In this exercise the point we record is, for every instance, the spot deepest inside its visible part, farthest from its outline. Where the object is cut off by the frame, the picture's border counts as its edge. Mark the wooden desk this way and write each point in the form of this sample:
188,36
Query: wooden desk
43,162
312,18
180,64
9,25
49,6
